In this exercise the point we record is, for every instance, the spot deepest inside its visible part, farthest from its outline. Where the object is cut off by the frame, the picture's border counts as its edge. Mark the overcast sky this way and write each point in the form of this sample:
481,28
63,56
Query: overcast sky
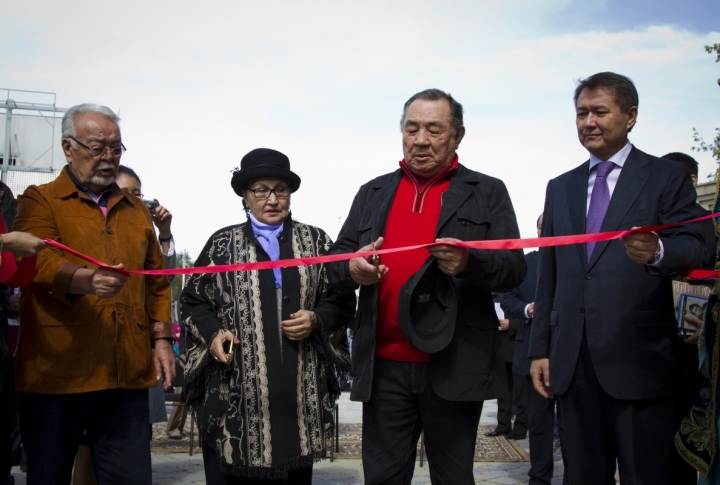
199,84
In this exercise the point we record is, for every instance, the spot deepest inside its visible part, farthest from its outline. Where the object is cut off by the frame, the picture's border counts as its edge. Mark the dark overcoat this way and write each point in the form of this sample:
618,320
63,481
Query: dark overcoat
475,207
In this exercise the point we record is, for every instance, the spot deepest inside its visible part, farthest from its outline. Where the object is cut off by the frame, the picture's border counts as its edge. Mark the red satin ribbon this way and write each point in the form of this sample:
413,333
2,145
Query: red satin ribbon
494,244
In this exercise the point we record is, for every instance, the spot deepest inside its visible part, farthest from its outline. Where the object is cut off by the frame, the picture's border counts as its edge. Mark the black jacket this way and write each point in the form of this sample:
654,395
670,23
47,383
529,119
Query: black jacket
476,207
513,305
624,308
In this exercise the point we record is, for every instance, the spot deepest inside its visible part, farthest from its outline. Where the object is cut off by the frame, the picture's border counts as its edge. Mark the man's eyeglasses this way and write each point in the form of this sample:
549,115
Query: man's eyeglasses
99,151
280,192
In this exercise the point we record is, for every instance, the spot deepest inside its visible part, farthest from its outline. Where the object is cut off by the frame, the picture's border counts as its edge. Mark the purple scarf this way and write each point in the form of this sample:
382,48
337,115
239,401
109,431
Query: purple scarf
267,236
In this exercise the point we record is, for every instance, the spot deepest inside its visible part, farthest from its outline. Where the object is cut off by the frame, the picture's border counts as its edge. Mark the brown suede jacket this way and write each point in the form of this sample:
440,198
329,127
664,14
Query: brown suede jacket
81,343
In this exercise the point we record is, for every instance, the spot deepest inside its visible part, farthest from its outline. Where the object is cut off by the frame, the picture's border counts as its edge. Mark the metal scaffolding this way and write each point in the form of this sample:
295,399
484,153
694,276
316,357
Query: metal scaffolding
24,102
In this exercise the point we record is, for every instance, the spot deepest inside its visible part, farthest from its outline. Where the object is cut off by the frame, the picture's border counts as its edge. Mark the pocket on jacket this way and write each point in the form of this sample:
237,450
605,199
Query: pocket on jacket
70,350
475,223
653,318
364,230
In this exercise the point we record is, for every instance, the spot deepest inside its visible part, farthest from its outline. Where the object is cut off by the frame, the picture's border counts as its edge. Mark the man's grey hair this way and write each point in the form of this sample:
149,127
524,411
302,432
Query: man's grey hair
68,121
456,109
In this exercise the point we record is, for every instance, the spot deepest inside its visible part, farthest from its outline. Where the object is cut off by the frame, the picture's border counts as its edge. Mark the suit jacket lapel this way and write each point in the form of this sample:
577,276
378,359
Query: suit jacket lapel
577,205
632,179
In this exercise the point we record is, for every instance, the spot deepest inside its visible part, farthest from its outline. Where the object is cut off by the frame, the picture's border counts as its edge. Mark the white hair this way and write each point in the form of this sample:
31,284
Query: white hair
68,121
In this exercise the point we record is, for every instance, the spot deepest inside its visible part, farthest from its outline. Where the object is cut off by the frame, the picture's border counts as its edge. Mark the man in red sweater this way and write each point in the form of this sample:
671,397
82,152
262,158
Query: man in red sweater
430,198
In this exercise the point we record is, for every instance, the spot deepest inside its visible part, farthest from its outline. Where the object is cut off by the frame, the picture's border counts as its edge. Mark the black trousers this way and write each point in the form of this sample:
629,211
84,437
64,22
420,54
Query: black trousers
403,404
600,429
214,474
116,420
517,398
8,418
541,421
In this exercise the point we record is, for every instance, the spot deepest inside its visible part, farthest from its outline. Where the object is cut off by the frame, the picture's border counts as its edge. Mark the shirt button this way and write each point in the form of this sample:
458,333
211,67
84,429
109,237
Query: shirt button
108,230
286,299
587,276
283,238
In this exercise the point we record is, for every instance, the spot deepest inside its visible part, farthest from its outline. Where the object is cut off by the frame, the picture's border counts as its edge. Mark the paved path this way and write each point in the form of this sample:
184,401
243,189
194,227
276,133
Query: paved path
179,468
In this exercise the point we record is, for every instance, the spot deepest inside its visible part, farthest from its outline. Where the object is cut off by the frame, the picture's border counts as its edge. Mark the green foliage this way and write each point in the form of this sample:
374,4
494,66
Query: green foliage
702,146
713,48
183,261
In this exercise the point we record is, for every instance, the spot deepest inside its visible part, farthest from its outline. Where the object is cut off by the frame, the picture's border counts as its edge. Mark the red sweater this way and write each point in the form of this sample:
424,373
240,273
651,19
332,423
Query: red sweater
412,220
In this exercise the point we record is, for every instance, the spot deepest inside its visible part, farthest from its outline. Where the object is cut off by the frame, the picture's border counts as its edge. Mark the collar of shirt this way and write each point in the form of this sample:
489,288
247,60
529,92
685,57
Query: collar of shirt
100,199
422,183
618,159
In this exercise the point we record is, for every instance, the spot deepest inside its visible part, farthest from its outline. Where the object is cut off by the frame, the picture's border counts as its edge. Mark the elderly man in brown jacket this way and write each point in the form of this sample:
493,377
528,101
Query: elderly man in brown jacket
86,359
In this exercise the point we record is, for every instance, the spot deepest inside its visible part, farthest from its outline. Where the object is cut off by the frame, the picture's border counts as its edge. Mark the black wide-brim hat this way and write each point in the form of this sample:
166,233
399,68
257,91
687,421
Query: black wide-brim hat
264,162
427,309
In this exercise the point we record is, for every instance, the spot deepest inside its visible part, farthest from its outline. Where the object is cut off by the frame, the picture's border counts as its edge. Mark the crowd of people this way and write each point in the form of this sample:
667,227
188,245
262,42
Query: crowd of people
591,346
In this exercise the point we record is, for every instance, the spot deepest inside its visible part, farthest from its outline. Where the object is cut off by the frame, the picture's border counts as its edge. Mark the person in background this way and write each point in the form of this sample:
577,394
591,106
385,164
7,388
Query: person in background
515,403
162,218
85,359
26,245
687,379
129,181
8,309
604,329
519,306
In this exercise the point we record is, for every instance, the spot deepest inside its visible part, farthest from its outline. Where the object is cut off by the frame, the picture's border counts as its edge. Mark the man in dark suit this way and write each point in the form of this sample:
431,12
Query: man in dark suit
604,327
516,400
431,197
519,306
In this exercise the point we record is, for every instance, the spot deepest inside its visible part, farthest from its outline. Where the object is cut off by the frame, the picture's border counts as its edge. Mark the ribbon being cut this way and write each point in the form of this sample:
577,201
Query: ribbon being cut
495,244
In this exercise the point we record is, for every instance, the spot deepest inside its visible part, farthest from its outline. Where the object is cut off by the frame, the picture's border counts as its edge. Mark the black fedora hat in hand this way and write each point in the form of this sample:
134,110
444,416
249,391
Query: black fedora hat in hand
427,309
264,162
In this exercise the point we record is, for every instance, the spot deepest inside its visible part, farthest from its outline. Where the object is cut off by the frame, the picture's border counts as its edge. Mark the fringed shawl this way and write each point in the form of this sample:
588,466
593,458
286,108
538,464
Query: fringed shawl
254,431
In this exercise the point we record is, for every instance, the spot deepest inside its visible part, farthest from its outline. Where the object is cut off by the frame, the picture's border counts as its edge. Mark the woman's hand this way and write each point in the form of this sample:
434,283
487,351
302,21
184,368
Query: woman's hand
217,347
22,244
302,324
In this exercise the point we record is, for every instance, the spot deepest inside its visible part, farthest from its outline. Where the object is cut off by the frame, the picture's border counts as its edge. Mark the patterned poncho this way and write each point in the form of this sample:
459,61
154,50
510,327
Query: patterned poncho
269,410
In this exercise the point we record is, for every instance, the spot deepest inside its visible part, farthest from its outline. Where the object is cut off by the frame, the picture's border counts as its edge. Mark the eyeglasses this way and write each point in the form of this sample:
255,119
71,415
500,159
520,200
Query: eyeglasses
98,152
261,193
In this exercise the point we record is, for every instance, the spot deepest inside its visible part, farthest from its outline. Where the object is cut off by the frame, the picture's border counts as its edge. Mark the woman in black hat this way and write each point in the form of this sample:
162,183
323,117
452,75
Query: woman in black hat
265,348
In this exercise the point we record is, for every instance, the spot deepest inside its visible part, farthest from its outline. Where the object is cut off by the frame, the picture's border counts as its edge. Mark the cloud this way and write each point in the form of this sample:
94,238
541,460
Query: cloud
201,84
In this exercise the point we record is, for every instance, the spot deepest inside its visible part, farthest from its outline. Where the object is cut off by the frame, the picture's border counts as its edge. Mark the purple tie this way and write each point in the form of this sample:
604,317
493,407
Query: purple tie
599,201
